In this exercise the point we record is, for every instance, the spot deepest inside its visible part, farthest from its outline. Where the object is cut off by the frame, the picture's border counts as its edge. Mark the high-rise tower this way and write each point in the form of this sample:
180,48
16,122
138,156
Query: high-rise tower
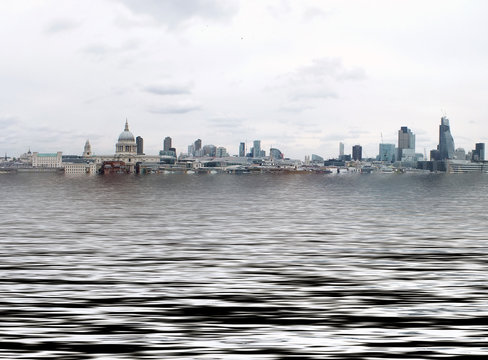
242,149
140,145
167,143
406,140
446,142
256,148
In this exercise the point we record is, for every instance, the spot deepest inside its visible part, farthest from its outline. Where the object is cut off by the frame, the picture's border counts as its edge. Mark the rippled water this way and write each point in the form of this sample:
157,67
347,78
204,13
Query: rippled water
243,267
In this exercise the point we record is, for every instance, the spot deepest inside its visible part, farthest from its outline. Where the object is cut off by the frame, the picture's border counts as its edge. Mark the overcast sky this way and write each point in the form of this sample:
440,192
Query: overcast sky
298,75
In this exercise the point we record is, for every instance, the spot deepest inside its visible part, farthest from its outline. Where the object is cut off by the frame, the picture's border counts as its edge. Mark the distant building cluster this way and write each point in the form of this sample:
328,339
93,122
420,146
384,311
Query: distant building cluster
129,157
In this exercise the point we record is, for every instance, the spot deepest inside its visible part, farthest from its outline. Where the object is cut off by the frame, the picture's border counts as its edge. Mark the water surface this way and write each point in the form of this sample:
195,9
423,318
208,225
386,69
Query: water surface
243,267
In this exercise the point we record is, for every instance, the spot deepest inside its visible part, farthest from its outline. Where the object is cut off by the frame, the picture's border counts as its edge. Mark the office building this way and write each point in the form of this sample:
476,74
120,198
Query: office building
460,154
242,149
140,145
275,154
47,160
357,152
209,150
167,143
387,152
317,159
256,150
478,154
446,142
406,140
221,152
197,145
341,149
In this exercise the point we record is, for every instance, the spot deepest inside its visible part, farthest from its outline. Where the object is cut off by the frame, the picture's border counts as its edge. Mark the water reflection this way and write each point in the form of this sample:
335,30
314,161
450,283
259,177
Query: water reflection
239,267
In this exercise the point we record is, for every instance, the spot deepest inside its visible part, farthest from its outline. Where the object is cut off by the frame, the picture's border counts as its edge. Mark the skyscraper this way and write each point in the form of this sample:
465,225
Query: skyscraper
406,140
140,145
197,144
357,152
242,149
341,149
167,143
256,148
478,154
446,142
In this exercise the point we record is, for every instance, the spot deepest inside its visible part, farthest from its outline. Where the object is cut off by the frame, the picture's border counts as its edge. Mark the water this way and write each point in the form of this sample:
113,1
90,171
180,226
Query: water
243,267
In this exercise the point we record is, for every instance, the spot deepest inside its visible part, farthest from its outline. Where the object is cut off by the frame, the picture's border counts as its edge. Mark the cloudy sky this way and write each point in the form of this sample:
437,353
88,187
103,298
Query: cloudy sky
298,75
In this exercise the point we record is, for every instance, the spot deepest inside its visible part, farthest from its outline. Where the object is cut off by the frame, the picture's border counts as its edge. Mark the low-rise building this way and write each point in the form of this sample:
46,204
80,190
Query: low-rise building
47,160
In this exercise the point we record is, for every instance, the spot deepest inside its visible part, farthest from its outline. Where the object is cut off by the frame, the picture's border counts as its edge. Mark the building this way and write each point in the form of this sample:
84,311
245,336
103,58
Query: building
242,149
341,149
140,145
47,160
317,159
446,142
256,150
387,153
125,158
406,140
167,143
221,152
87,150
126,144
74,164
197,145
209,150
275,154
460,154
478,154
357,152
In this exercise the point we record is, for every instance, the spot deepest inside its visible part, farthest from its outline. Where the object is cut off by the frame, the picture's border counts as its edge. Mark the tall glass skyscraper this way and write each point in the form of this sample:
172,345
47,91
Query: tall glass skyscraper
256,149
242,149
446,142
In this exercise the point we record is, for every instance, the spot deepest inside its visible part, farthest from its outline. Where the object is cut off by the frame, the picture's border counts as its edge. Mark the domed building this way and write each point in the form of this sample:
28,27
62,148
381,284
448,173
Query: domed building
125,159
126,145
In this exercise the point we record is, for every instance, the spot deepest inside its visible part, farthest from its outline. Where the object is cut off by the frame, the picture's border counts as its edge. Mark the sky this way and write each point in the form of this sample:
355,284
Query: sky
300,75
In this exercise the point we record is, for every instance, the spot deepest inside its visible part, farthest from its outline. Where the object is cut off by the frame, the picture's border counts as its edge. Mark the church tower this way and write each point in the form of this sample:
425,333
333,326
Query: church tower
87,151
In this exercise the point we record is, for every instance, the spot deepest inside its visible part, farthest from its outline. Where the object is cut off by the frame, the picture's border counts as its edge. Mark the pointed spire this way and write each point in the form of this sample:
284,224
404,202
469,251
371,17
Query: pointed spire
126,125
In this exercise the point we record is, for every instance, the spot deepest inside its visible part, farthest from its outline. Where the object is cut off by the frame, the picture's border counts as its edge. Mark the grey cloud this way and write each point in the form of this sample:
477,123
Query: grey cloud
174,13
327,68
167,89
61,25
100,50
175,108
226,122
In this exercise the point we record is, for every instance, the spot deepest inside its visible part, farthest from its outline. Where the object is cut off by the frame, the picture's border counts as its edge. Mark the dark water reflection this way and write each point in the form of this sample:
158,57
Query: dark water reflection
243,267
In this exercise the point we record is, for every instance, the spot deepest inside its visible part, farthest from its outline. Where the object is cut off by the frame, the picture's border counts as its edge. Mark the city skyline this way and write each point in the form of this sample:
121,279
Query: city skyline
299,76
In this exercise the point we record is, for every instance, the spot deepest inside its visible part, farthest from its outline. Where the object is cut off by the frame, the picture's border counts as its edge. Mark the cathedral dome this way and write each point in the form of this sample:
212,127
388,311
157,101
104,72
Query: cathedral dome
126,135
